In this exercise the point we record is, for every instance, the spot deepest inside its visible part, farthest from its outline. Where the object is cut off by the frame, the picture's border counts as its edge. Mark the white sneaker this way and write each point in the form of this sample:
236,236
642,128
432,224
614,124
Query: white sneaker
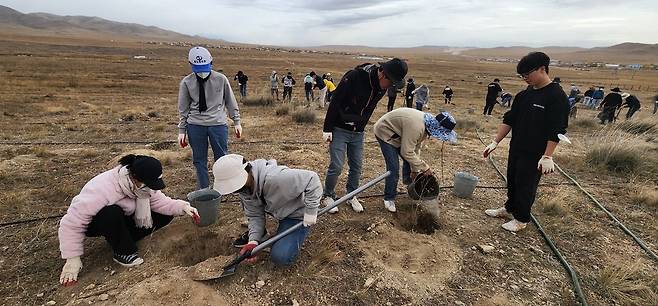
328,201
356,205
500,212
514,225
390,205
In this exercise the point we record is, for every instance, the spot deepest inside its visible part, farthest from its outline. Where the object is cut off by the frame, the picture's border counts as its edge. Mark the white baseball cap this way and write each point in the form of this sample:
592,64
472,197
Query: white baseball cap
229,174
200,59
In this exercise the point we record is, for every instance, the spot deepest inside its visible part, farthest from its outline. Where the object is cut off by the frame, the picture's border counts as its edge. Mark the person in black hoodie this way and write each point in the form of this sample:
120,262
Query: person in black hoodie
493,90
538,115
352,104
242,83
632,102
408,92
610,104
447,93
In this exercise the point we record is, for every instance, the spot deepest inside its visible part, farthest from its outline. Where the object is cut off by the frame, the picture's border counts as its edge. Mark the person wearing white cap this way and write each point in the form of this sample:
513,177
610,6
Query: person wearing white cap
205,100
265,188
400,133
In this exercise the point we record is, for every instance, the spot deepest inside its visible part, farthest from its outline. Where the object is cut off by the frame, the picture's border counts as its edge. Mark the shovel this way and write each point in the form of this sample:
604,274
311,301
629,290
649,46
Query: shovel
208,270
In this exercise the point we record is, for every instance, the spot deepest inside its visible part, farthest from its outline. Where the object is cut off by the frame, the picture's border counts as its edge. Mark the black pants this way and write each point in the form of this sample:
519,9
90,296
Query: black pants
631,111
522,180
488,107
608,114
287,91
309,95
120,230
409,101
391,103
448,99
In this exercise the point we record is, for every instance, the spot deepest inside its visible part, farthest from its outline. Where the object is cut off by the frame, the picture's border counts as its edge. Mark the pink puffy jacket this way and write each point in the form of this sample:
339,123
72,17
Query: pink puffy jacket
103,190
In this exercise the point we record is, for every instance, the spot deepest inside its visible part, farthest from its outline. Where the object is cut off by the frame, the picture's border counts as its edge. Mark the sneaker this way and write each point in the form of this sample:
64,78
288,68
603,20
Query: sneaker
514,225
390,205
130,260
356,205
500,212
244,239
330,201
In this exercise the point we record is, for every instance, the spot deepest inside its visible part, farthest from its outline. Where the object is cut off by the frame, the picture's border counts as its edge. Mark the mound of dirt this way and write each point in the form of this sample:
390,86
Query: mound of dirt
416,264
171,288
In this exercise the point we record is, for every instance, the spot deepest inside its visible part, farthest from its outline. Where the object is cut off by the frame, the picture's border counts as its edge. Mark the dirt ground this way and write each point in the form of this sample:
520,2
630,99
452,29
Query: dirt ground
69,110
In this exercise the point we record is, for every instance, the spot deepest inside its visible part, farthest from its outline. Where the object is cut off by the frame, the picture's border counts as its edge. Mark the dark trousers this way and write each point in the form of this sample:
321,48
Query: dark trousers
631,111
120,230
409,100
448,99
608,114
287,92
309,95
488,107
391,103
522,180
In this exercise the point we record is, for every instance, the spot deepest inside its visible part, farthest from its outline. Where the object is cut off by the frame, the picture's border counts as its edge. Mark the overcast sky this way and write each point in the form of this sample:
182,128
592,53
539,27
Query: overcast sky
403,23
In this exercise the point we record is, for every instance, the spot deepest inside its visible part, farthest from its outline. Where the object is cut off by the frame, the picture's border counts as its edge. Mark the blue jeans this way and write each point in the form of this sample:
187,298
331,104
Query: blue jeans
243,90
391,157
344,141
198,136
284,252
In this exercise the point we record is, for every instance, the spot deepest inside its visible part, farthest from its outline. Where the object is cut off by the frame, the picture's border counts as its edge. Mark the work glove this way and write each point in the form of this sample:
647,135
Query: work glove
309,220
492,146
69,276
248,247
546,165
192,212
182,140
327,137
238,131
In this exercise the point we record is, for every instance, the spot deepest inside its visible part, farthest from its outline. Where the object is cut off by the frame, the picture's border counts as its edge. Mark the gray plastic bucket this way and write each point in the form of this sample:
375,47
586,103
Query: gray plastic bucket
206,201
465,184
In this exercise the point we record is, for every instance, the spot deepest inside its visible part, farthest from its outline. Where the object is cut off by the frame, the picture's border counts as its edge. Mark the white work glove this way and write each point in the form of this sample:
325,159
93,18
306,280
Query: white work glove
492,146
182,140
327,137
546,165
238,131
72,267
192,212
310,220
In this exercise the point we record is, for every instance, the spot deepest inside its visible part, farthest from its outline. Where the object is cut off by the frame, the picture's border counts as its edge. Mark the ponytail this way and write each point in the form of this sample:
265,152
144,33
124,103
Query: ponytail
127,160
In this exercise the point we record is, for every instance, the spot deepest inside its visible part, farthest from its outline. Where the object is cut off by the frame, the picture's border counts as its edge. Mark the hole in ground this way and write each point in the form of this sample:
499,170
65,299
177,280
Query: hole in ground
412,218
198,245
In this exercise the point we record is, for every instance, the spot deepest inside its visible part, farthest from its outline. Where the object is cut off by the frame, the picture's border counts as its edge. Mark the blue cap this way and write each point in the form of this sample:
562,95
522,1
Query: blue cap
441,127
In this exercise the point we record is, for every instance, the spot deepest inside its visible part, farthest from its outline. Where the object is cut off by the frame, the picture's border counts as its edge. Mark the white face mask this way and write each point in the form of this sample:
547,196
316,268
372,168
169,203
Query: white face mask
203,75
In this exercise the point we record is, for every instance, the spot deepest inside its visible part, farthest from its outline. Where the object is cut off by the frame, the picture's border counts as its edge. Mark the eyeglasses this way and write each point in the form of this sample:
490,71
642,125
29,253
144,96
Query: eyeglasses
526,75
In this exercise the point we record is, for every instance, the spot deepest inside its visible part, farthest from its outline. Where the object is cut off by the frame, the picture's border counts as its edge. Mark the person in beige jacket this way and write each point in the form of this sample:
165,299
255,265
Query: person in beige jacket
400,133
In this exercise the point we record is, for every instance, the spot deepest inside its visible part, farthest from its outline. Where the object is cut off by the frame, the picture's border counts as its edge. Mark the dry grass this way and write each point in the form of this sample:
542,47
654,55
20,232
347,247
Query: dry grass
554,204
583,123
323,255
282,110
617,152
304,116
258,101
56,110
646,196
627,284
467,125
639,126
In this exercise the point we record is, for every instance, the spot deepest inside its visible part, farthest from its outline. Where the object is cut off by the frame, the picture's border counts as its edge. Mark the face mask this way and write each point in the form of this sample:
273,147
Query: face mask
203,75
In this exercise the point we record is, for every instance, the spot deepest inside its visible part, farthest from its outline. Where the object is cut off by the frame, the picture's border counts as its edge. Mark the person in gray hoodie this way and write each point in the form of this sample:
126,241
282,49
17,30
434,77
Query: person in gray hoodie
205,101
265,188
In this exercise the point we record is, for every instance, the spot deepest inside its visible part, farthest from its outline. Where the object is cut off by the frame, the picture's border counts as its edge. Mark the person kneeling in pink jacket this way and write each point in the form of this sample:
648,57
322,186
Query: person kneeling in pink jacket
123,205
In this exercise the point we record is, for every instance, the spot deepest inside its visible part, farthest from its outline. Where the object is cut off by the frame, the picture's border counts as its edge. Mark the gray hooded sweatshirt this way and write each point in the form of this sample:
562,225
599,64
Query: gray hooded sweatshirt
219,98
280,192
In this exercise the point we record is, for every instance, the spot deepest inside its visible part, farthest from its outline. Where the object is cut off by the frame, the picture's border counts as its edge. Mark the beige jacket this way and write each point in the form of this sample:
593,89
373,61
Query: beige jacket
404,128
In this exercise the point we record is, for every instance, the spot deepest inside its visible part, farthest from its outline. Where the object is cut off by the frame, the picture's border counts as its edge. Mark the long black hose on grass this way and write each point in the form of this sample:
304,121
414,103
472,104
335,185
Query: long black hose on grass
638,240
572,273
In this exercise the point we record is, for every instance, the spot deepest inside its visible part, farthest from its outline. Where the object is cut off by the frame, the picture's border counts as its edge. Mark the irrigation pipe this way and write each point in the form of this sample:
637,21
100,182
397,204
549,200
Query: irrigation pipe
638,240
574,277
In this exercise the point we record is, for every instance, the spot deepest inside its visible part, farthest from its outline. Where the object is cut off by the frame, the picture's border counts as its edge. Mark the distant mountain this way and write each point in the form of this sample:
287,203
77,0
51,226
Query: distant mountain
15,22
621,53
